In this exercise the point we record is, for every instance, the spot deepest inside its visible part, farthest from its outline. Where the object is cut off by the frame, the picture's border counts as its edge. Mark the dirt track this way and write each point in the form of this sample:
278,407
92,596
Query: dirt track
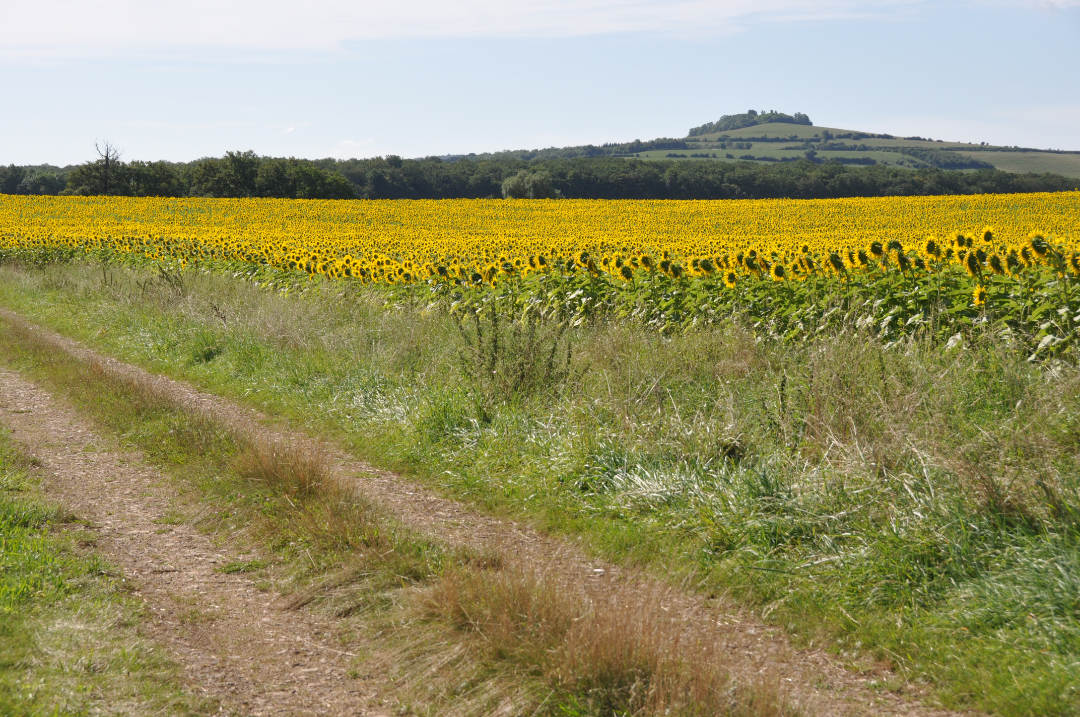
258,659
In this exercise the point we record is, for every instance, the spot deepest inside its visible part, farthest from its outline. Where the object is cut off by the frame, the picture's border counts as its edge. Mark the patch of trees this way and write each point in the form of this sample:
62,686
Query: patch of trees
860,135
940,158
610,149
863,161
38,179
244,174
750,140
237,174
750,118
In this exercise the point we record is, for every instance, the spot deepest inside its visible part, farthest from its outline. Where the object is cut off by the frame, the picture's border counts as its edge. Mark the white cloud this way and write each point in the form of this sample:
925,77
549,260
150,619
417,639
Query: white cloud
72,27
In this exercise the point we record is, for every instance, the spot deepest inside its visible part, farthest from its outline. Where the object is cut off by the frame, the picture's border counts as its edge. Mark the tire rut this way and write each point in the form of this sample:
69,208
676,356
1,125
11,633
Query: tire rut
234,645
811,680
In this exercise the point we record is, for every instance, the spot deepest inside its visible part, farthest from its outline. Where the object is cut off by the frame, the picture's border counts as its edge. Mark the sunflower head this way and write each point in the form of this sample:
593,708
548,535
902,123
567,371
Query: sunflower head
996,264
1038,245
836,262
729,279
979,295
1013,263
972,264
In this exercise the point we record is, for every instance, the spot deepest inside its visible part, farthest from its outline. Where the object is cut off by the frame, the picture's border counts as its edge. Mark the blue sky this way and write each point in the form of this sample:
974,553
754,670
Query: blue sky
418,77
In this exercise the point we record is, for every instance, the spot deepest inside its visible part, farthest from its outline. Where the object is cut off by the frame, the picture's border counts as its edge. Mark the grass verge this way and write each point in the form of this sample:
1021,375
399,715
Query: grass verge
332,551
69,640
908,502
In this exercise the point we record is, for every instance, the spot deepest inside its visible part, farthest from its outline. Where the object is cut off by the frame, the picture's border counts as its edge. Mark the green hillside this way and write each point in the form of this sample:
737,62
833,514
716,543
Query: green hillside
767,141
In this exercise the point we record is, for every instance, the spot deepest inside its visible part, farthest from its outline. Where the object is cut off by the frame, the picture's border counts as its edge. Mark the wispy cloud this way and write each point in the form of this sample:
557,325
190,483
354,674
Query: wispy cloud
74,27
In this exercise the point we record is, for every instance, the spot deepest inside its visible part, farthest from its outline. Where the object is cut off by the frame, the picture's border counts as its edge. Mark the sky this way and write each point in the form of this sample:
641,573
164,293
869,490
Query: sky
352,78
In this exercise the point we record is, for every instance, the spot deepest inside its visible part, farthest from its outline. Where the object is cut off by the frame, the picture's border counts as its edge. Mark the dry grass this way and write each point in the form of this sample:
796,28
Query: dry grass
617,650
295,468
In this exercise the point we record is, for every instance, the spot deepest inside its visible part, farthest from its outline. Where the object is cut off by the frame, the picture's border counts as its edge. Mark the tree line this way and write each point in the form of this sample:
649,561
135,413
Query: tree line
750,118
245,174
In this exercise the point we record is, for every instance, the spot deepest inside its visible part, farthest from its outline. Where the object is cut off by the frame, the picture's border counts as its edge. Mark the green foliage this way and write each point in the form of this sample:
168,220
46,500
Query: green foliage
528,184
511,348
750,118
846,468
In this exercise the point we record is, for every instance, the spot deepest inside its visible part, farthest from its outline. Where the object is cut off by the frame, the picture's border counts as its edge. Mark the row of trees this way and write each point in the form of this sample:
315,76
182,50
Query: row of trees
245,174
237,174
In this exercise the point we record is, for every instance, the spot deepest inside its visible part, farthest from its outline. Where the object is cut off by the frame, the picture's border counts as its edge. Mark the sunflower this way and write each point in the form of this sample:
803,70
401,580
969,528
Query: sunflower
836,262
979,295
931,248
1038,245
972,265
729,279
778,272
1012,263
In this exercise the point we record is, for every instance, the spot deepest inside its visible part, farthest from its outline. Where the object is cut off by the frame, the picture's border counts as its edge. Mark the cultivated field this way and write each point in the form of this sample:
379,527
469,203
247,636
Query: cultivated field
856,420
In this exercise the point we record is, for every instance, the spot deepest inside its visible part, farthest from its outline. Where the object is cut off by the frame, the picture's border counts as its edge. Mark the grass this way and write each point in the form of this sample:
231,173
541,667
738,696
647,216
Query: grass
904,504
331,551
1067,165
69,639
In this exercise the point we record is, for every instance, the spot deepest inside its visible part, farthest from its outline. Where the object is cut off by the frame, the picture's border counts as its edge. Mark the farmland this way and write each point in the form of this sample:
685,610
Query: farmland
907,265
782,141
858,418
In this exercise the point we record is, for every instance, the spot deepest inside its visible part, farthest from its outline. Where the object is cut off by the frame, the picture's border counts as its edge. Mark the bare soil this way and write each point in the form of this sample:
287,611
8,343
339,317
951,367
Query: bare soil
235,645
265,660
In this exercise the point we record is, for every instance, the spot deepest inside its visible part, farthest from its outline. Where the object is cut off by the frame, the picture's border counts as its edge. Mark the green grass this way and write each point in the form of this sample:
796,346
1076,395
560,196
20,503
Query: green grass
69,641
331,551
1067,165
904,503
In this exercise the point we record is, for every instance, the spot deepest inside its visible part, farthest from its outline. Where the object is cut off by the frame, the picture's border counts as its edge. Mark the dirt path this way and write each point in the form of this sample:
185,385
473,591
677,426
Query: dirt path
235,646
812,680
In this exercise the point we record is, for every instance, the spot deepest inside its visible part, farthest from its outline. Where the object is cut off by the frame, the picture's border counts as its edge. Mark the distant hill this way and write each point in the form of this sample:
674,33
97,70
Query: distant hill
771,137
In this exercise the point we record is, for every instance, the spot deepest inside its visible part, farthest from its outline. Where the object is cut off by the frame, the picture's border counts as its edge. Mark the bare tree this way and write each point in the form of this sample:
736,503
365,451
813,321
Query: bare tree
109,156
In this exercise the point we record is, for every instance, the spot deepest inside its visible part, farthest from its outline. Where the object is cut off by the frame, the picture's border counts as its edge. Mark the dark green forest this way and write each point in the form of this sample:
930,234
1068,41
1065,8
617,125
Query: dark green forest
245,174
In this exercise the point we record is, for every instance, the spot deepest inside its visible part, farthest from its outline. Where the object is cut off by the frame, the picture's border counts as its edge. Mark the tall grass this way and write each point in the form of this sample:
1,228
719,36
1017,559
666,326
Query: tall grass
347,556
904,503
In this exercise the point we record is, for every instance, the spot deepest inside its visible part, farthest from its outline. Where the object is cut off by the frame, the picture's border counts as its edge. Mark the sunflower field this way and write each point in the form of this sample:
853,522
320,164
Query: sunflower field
891,266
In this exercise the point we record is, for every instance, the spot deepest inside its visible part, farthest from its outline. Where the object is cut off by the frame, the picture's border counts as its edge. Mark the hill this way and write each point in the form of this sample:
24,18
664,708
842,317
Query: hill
770,137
